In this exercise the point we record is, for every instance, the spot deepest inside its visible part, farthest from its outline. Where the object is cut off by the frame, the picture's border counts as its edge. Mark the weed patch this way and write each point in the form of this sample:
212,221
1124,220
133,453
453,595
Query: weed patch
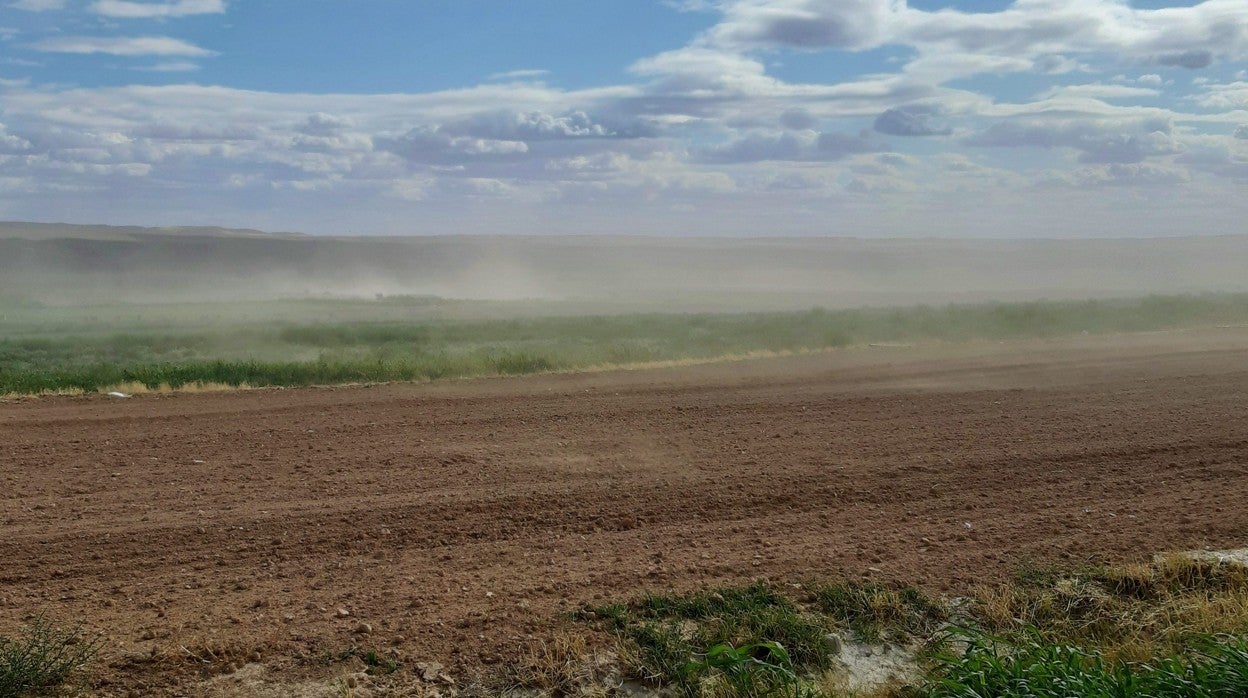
1131,612
673,640
761,669
368,660
876,613
44,659
1174,627
1033,667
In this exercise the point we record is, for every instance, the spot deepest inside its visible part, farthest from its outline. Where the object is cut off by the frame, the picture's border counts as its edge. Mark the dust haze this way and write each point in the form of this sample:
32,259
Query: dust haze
70,265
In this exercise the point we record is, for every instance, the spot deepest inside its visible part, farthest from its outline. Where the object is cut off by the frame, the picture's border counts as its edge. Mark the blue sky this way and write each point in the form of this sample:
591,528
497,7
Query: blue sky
365,46
1054,118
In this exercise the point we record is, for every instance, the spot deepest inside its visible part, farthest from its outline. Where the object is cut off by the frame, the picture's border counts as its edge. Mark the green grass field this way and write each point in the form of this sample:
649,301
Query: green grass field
292,343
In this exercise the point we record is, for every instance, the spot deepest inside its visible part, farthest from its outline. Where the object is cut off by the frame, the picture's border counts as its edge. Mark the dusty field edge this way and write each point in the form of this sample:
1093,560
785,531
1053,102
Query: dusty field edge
130,390
878,640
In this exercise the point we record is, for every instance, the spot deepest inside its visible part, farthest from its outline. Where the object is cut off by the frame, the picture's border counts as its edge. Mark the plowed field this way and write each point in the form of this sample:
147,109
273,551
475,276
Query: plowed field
458,519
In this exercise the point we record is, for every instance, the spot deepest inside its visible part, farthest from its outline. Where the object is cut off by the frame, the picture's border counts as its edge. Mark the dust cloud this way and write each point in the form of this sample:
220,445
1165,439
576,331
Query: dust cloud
65,265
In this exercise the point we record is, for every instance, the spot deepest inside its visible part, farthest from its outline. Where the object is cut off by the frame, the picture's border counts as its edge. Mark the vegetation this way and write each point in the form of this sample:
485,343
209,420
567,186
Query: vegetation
760,669
1175,627
44,659
1037,668
1128,613
875,613
325,342
558,667
666,633
723,641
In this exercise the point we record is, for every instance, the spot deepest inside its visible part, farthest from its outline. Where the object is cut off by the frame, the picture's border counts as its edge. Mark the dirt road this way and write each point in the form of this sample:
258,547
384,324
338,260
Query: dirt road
457,519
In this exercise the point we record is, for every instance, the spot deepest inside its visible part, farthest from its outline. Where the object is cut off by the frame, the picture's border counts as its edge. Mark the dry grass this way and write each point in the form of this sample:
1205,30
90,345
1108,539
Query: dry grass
565,666
699,361
254,681
832,684
135,388
1129,613
62,392
874,612
129,388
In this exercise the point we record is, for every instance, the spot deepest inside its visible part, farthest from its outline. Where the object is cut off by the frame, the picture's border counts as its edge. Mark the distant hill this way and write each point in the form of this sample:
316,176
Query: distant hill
53,231
55,263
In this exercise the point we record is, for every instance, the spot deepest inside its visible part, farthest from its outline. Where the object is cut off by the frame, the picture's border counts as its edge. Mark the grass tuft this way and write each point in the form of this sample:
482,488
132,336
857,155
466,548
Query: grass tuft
565,666
1130,612
875,613
44,659
763,669
669,638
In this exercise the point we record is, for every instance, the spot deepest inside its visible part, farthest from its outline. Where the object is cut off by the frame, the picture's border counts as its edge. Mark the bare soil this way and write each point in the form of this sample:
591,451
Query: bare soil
459,519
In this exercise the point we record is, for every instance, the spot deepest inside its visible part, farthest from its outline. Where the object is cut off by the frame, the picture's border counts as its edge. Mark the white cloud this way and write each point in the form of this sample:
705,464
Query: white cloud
1099,91
322,124
170,67
10,144
1054,64
126,9
21,62
804,146
697,82
1224,96
798,118
1121,175
692,5
1046,31
696,67
705,136
429,145
1193,58
911,120
122,46
1222,157
37,5
522,74
1096,141
809,24
541,126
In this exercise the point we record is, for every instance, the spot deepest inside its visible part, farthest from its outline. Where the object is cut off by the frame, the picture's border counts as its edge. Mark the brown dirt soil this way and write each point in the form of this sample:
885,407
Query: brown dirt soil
459,519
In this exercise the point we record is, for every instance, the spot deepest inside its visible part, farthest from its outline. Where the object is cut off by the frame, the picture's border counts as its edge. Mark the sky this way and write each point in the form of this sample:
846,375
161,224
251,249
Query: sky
864,118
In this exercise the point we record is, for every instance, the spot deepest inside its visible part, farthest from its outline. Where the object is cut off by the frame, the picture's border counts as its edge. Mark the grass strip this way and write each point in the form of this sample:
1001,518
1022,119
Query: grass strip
237,354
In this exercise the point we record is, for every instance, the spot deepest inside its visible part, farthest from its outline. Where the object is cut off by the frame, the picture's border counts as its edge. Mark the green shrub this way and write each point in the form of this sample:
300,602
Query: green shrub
43,659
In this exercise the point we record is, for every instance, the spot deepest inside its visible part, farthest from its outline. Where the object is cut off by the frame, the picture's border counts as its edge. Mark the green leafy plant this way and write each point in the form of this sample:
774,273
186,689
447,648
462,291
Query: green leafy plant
667,637
43,659
760,670
988,666
376,663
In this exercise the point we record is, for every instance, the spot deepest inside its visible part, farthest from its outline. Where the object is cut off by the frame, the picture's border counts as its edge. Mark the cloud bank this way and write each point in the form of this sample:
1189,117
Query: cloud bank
1049,117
